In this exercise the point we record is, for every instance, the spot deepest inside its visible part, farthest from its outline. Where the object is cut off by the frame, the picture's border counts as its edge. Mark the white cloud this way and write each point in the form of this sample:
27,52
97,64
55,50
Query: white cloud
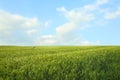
32,31
112,15
10,21
63,40
12,25
95,6
58,40
77,19
31,22
47,36
65,28
61,9
46,40
13,21
100,2
69,39
90,7
76,15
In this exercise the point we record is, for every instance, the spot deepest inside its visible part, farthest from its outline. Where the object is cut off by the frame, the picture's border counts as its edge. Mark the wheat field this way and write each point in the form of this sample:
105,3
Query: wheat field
60,63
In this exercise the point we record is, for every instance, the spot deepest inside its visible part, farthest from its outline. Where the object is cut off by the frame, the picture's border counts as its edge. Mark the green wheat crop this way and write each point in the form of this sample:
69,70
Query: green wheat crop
60,63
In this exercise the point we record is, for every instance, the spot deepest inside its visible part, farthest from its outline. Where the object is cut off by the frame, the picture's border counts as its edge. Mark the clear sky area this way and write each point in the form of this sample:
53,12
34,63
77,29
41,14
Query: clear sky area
59,22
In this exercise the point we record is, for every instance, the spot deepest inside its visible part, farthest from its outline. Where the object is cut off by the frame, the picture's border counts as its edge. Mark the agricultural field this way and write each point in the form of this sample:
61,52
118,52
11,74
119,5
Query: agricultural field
60,63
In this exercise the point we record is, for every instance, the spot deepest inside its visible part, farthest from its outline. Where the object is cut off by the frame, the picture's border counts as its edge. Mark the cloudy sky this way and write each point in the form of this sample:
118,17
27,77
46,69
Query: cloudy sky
59,22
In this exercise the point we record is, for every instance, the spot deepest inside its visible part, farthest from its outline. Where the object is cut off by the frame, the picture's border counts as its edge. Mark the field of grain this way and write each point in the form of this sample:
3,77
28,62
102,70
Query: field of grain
60,63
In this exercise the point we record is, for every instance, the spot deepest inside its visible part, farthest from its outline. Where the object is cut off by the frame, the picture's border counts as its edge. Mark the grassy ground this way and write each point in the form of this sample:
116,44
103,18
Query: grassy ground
60,63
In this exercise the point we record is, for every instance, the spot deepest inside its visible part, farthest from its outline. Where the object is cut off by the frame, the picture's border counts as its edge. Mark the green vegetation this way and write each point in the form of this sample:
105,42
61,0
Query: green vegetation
60,63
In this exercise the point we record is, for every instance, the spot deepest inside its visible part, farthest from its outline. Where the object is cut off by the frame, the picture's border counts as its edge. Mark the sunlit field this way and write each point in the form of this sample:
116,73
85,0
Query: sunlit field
60,63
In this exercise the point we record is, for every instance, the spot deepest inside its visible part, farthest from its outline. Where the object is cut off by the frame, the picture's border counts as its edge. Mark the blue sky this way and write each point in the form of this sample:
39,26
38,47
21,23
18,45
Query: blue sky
60,22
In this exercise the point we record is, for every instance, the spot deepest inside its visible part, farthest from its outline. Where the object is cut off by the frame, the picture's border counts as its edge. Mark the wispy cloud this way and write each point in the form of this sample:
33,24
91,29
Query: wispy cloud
79,18
112,15
76,19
